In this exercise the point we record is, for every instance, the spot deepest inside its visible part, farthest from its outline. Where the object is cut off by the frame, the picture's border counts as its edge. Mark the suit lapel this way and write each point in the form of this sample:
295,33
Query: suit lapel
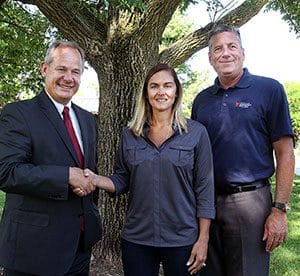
50,111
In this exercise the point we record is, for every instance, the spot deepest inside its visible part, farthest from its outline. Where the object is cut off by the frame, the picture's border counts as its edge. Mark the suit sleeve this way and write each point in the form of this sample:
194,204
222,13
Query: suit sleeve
17,172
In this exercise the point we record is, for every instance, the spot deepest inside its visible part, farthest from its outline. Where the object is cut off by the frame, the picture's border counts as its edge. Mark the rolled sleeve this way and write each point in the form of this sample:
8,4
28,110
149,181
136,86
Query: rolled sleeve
204,177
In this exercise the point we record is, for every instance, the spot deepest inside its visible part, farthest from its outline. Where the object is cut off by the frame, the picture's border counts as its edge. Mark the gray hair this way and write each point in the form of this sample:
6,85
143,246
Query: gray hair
224,28
63,44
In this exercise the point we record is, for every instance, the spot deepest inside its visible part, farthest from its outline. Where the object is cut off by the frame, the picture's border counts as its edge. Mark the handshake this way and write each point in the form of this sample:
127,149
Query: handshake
85,181
81,181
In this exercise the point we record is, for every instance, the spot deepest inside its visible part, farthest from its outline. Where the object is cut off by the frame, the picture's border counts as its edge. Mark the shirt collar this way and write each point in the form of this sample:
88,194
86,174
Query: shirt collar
146,128
59,106
244,82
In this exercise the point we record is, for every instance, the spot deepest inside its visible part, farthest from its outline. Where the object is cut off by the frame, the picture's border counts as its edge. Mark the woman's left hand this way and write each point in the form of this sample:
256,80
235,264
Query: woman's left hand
197,257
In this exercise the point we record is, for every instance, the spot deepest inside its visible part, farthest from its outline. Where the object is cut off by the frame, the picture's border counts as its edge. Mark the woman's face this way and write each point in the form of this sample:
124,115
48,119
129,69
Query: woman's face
161,91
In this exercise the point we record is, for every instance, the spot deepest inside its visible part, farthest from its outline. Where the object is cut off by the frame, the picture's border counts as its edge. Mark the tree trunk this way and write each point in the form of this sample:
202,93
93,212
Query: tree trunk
117,99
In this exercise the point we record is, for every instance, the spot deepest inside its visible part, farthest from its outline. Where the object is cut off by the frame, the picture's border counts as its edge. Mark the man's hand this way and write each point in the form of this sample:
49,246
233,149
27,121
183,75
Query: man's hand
80,183
276,229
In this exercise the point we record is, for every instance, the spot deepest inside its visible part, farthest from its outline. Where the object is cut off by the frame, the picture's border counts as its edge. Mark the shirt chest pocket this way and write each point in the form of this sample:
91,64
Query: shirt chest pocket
136,155
182,155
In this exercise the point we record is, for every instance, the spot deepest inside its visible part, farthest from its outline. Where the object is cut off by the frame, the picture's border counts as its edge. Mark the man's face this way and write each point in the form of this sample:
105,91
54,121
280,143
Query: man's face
226,55
62,75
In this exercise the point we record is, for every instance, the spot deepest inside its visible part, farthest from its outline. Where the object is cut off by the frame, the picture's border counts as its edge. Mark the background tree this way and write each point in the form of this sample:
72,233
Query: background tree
22,46
290,11
192,81
122,41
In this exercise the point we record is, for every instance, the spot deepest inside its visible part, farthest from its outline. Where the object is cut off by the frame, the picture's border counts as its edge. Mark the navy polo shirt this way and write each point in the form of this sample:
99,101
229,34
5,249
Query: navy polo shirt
169,187
242,122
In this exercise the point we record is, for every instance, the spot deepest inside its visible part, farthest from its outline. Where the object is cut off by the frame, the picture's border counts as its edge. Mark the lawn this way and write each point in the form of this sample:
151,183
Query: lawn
2,197
285,260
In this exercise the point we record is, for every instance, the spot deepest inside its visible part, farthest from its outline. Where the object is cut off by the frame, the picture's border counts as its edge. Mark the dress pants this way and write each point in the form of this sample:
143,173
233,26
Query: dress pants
142,260
235,244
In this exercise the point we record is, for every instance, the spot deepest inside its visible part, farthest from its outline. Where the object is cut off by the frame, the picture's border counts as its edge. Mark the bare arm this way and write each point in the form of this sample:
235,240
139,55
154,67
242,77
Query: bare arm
285,161
199,251
276,228
102,182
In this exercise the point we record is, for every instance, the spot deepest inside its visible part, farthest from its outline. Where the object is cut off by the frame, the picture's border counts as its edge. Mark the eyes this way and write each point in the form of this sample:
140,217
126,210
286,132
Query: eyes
155,86
63,70
232,47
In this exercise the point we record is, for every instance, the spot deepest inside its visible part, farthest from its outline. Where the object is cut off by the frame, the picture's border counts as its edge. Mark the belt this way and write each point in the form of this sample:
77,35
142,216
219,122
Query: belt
244,187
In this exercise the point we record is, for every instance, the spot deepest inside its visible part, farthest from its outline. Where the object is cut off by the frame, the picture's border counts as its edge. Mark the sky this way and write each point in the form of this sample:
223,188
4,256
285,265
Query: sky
271,49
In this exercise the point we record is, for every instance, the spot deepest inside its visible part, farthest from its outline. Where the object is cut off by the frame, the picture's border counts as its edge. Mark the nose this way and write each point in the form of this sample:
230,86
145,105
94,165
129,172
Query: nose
225,51
68,76
161,91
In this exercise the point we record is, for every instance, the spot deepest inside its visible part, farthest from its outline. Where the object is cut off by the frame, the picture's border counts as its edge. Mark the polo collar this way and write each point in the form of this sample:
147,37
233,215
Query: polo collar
244,82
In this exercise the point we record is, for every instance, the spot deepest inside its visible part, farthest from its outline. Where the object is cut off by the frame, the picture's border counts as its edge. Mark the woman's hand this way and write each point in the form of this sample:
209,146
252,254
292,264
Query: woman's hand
198,256
99,181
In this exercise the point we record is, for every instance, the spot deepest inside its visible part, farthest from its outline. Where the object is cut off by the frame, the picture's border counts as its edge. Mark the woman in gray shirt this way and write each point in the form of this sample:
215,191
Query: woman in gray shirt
165,163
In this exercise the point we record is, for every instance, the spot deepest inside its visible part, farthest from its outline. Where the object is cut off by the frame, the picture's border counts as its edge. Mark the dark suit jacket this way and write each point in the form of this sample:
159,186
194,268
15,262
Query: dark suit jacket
40,225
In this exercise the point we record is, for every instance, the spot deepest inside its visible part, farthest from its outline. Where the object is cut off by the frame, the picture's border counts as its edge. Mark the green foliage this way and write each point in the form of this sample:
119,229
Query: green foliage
2,199
24,33
192,83
185,4
99,8
179,26
285,260
293,95
290,11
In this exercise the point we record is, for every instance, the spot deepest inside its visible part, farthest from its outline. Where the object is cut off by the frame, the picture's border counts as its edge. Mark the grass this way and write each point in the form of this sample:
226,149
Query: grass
2,198
285,260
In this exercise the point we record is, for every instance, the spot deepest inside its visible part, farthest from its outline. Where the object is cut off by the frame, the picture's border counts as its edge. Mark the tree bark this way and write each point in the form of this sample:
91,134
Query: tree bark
121,48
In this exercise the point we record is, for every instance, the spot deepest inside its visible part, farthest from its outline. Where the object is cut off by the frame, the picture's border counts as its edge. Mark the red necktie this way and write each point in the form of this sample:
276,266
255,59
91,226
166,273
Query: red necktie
69,126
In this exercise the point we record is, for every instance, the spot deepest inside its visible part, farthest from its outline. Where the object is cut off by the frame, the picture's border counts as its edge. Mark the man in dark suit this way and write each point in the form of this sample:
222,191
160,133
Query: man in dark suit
50,221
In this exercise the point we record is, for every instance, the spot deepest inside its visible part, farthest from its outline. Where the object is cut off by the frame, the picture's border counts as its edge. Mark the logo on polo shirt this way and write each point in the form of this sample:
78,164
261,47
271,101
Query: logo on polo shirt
242,104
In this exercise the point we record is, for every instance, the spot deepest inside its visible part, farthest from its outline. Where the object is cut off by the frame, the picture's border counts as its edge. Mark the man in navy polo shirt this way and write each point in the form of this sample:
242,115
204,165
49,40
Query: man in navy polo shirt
247,119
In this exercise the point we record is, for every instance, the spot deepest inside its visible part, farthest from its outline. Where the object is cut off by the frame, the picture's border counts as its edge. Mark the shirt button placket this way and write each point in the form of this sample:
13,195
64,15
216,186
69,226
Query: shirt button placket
156,212
224,102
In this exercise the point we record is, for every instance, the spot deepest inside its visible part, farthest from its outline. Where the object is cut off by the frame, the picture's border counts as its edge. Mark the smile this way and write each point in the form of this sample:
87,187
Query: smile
161,100
65,86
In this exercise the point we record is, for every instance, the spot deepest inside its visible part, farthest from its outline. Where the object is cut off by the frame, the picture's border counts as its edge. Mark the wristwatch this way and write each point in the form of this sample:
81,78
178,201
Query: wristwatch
281,206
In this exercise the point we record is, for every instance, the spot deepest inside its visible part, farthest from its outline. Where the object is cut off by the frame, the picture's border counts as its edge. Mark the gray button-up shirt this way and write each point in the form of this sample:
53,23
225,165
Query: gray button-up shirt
169,187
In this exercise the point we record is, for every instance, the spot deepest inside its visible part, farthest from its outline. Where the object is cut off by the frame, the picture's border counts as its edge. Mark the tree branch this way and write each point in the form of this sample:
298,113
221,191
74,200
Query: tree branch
72,19
157,17
290,19
183,49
